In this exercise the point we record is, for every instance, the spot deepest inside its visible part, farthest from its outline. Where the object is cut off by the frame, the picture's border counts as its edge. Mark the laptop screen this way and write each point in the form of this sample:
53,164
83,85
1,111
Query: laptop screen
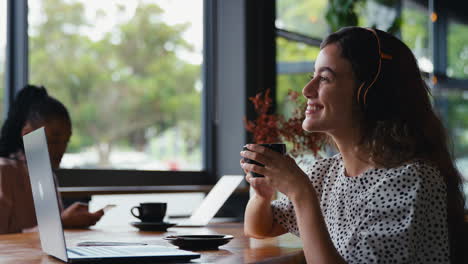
44,194
216,198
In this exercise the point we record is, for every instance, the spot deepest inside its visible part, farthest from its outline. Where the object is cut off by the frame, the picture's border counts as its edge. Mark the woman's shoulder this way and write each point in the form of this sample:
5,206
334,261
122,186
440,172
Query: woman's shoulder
324,164
11,167
327,161
417,168
7,162
418,174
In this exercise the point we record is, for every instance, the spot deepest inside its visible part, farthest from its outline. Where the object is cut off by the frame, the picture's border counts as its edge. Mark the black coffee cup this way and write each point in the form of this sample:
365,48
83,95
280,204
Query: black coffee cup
150,212
278,147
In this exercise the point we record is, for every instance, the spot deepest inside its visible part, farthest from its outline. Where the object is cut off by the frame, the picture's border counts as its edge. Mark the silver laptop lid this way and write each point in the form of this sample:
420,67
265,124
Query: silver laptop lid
44,194
215,199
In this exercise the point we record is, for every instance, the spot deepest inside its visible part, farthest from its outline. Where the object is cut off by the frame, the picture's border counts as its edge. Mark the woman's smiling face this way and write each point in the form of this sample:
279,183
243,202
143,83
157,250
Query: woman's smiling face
330,94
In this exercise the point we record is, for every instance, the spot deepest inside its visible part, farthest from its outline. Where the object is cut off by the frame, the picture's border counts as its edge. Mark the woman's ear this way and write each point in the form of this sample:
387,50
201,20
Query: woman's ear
28,128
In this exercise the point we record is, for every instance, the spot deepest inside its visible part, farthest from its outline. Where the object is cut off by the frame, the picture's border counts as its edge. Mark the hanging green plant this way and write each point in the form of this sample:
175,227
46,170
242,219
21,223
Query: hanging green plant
341,13
383,14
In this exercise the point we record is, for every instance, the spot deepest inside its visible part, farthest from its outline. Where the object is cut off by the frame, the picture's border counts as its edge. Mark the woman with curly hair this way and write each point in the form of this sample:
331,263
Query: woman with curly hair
392,194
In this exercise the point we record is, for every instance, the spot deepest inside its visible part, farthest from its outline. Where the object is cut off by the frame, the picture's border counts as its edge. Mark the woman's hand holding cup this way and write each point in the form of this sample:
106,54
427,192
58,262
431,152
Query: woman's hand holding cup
260,183
281,171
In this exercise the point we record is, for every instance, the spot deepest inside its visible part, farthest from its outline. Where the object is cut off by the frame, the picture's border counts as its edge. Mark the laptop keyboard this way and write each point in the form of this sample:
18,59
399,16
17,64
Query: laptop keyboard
123,251
101,251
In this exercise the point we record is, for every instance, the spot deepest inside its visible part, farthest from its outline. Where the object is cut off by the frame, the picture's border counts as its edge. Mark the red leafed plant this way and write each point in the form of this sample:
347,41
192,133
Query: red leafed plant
273,128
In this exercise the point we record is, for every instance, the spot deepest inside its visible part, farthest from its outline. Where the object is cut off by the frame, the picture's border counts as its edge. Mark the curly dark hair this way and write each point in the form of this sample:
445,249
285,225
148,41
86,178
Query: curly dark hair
34,105
397,121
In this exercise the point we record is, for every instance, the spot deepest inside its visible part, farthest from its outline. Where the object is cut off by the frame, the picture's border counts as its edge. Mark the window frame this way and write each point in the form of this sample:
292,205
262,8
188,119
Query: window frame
438,45
16,68
16,77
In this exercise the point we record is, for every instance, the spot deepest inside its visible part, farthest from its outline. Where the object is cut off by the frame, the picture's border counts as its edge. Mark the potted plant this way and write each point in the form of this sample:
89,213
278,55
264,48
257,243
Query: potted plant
275,128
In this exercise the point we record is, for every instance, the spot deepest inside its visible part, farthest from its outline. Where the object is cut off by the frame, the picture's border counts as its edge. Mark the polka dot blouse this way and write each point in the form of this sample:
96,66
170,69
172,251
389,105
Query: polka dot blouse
395,215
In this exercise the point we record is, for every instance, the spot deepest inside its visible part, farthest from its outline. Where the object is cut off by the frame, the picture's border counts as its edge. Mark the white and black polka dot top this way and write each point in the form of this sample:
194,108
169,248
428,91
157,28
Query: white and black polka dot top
393,215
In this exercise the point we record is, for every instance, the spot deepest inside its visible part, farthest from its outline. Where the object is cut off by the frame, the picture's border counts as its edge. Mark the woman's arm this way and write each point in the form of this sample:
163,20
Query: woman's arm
259,221
283,174
6,203
318,247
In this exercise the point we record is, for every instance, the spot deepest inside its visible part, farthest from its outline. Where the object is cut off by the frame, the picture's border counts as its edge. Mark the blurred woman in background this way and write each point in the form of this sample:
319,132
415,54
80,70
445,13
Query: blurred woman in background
32,109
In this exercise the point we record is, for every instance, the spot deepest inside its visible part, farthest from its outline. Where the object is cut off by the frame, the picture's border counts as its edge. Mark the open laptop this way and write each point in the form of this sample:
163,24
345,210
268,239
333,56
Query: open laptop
50,224
212,202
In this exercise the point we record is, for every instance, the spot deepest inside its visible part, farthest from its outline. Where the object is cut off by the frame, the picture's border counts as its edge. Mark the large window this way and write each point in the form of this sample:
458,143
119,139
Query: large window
130,73
3,37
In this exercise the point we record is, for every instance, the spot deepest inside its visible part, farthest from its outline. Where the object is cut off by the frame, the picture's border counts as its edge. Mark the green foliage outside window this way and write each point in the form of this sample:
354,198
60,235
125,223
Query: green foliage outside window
341,13
414,31
457,121
457,43
121,87
305,17
288,51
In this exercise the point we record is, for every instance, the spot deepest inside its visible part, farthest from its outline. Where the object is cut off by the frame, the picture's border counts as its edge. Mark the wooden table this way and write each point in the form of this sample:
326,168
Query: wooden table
25,248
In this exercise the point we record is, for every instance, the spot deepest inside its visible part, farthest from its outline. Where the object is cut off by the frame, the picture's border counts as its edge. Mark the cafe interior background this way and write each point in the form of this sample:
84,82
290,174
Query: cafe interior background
158,90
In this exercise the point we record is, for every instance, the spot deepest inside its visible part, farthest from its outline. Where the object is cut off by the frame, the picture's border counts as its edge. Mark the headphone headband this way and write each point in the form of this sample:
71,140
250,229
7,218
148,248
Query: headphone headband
381,56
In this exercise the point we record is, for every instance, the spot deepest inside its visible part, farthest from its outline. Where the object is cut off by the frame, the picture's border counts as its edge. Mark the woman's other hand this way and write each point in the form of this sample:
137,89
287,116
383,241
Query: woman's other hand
258,220
261,186
281,171
77,215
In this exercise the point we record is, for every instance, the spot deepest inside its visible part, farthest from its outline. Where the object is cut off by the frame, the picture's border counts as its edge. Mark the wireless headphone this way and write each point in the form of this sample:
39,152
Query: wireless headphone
382,56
